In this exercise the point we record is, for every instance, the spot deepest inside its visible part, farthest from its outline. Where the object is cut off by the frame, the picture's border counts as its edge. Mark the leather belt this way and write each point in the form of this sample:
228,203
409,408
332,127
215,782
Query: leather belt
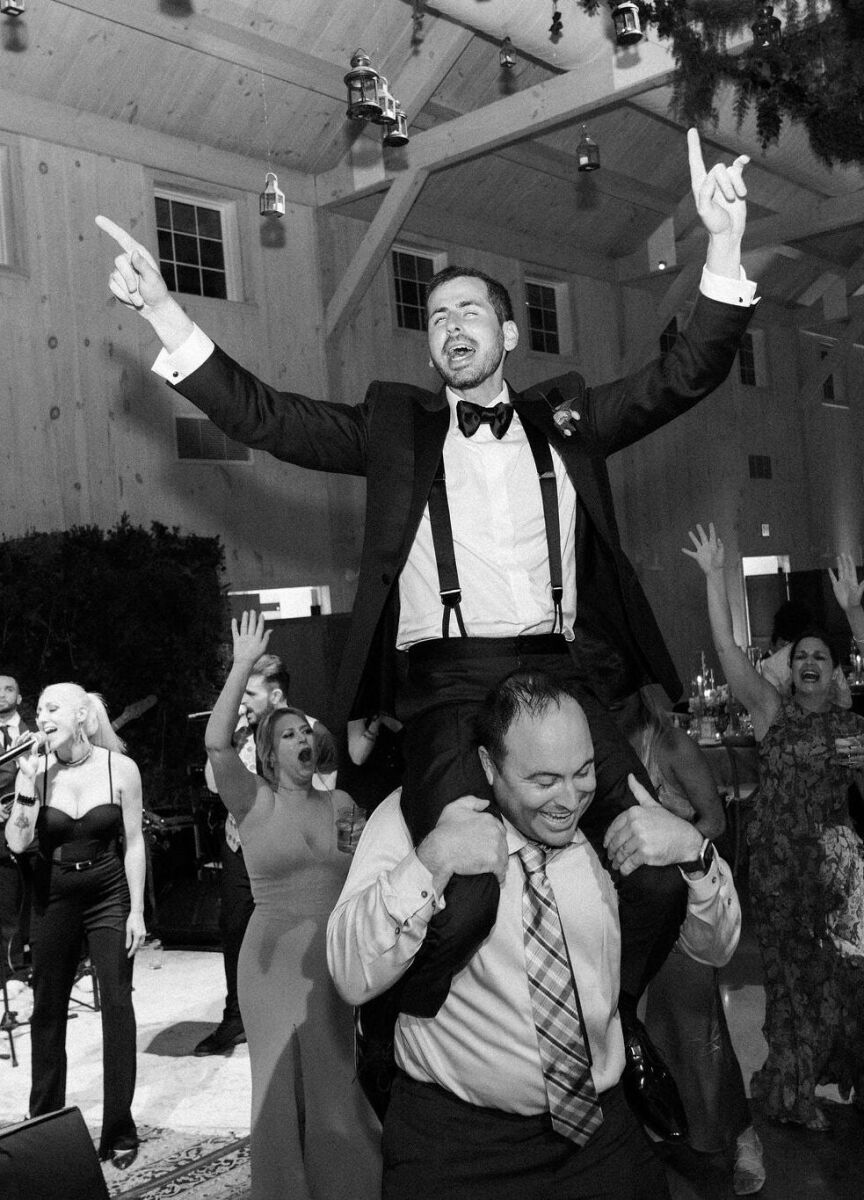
437,649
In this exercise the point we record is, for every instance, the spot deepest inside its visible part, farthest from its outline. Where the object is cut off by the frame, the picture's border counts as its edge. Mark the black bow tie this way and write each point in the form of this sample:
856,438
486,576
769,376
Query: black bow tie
469,417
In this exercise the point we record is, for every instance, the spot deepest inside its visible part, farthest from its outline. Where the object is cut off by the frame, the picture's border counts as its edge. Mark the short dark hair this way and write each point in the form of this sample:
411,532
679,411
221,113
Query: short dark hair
273,671
816,631
519,693
499,297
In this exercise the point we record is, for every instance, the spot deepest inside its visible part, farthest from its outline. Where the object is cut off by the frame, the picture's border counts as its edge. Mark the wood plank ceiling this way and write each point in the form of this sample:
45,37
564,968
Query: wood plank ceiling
263,80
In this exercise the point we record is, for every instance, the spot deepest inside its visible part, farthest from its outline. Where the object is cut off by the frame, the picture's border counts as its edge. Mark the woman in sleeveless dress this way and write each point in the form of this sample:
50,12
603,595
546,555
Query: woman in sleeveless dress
806,859
314,1136
82,796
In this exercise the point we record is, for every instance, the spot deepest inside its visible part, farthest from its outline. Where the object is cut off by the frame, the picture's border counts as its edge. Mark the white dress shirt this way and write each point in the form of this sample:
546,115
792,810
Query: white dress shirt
496,511
482,1043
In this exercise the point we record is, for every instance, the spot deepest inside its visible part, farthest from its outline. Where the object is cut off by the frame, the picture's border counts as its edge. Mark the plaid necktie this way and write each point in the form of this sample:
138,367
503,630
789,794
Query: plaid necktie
564,1054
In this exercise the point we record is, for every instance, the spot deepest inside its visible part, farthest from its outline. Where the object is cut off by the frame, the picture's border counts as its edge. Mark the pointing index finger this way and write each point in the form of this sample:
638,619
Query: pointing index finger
124,240
697,162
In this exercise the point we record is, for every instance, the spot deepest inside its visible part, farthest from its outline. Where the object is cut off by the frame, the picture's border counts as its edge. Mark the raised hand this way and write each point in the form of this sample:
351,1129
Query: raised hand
250,636
135,280
719,193
708,552
847,589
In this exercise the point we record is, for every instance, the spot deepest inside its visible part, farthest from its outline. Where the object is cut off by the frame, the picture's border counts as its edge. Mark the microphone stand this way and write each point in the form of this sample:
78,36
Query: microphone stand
9,1021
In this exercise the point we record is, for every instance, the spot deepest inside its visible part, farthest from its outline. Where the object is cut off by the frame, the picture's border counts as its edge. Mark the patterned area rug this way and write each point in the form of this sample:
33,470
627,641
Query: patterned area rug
195,1166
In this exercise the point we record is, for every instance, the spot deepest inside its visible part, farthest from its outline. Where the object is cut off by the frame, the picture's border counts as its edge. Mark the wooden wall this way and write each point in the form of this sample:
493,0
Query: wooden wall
88,430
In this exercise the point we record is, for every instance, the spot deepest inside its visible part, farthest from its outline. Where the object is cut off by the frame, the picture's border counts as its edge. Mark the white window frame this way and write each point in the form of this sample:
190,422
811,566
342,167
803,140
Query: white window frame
227,210
563,314
760,363
439,262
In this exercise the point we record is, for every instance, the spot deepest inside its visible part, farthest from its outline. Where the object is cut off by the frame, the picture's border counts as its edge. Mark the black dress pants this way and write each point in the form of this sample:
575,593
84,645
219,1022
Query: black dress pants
446,683
236,908
92,902
436,1145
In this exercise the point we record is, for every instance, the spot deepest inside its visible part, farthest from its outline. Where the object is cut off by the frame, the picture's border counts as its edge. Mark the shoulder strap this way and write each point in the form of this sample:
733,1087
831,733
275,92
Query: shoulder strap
549,492
110,781
445,556
442,534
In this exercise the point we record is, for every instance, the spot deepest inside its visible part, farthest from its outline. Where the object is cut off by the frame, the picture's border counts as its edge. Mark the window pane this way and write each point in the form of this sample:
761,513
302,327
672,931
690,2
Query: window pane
183,246
213,284
185,249
189,280
211,254
209,223
411,273
183,217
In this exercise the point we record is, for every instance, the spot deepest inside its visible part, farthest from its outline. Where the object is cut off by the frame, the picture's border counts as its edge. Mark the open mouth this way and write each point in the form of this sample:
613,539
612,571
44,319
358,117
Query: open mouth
305,755
458,351
559,817
809,676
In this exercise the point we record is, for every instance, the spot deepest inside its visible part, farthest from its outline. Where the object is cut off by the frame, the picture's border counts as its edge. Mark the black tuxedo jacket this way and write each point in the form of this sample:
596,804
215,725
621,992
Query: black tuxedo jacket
395,438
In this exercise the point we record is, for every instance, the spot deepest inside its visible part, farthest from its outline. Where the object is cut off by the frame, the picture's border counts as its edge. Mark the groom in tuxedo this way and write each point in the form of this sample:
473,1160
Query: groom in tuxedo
490,543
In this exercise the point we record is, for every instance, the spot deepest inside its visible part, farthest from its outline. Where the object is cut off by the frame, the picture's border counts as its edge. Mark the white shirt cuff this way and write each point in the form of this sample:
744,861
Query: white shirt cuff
186,358
740,291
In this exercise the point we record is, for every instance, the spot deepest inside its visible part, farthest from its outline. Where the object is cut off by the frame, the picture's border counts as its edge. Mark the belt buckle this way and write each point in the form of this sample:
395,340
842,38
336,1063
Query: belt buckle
82,864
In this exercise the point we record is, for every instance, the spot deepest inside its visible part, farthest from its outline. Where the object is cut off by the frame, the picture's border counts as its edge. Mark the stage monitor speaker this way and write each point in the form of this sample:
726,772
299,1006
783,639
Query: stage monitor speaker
50,1158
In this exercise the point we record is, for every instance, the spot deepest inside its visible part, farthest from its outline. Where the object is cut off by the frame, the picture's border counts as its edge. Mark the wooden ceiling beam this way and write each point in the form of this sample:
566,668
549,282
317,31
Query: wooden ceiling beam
824,216
541,157
371,251
428,221
362,168
147,147
526,114
681,289
231,43
810,391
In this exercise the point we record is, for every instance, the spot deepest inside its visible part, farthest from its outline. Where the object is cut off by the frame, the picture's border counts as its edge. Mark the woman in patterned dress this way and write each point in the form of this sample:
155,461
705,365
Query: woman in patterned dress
806,859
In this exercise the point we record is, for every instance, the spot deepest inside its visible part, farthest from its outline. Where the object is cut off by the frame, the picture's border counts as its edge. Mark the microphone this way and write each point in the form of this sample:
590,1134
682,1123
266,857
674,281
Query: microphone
33,739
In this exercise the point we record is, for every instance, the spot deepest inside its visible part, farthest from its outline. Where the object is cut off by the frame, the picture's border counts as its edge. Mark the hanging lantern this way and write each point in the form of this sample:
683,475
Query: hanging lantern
628,27
507,55
363,83
271,201
397,134
587,153
556,29
12,8
766,28
387,115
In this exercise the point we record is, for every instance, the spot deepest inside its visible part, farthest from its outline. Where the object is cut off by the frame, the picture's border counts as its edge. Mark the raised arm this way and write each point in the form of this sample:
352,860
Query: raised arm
759,697
21,825
137,283
236,785
720,202
848,592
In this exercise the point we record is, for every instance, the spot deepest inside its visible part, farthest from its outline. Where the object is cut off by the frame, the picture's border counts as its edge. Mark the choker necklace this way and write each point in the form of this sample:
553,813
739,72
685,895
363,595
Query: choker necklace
75,762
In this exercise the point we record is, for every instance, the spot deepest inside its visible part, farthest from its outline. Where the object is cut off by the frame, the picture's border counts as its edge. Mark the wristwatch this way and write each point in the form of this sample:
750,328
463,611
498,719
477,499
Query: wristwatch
703,862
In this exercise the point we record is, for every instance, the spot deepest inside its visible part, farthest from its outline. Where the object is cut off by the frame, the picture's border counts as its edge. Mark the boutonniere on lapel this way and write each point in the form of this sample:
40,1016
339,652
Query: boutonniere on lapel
564,413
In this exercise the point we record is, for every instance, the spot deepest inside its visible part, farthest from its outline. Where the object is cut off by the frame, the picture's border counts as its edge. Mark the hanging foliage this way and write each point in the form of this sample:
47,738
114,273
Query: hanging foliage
813,74
127,612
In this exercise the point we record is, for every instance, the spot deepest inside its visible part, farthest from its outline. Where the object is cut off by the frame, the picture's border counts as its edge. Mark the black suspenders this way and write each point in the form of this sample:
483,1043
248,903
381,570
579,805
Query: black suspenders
442,534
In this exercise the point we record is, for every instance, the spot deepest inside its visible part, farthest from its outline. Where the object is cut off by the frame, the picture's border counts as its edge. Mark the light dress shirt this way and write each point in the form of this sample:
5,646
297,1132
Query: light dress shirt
496,512
482,1044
